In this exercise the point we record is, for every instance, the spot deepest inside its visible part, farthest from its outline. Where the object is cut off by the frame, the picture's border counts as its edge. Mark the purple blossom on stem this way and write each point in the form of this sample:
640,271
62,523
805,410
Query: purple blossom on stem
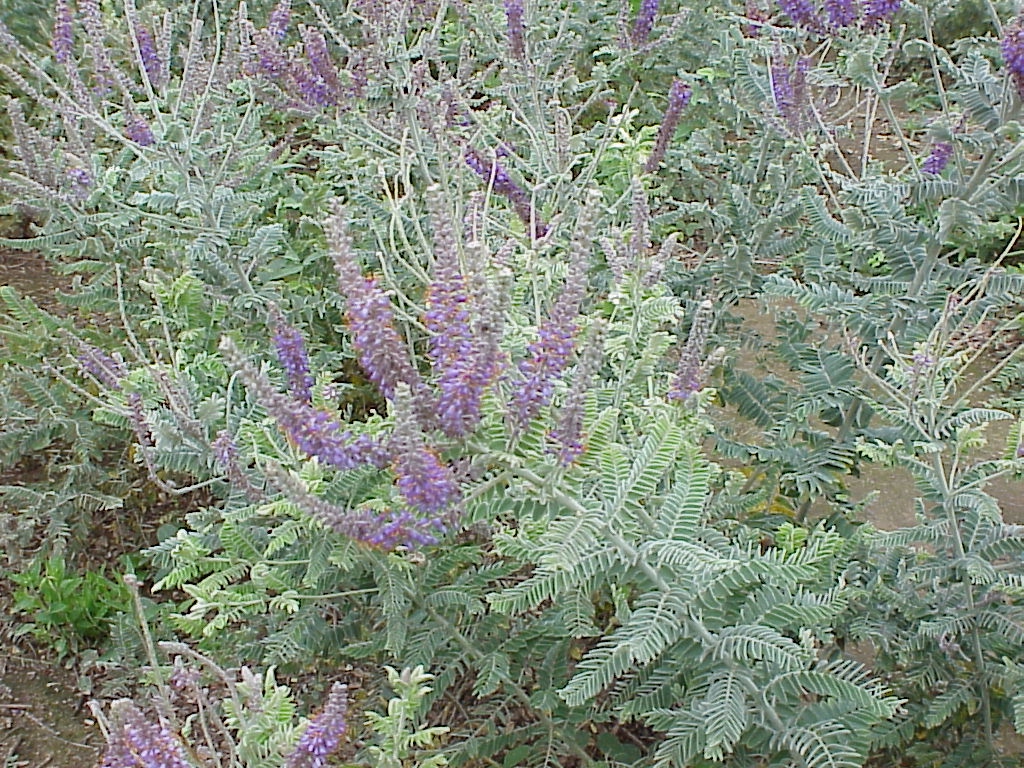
689,376
936,162
323,734
136,743
877,11
516,28
225,451
679,95
789,91
148,54
63,33
291,352
1012,48
386,529
427,484
502,183
313,430
568,432
270,59
81,180
802,12
136,129
382,353
644,22
842,13
108,370
322,67
459,350
548,355
758,16
280,17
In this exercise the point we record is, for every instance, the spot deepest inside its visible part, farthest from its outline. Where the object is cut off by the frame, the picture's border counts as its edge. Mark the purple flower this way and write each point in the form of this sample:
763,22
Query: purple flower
502,183
644,22
81,180
679,95
136,743
386,529
879,10
148,54
549,354
842,13
108,370
277,24
789,91
459,348
427,484
63,34
802,12
323,734
382,353
689,376
225,451
321,65
758,16
516,28
939,157
568,432
291,352
270,59
314,431
136,129
1012,48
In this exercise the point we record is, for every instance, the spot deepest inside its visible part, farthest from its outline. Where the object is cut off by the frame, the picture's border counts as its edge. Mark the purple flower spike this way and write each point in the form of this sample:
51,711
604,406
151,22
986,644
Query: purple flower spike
502,183
568,432
842,13
802,12
938,159
878,11
108,370
138,130
137,743
550,353
678,98
314,431
323,734
277,24
789,91
1012,48
291,352
148,54
690,372
516,28
321,66
644,22
383,354
459,349
63,34
427,484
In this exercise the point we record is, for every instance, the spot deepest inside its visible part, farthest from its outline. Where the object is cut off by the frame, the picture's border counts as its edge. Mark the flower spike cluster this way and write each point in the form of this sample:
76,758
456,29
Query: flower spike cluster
502,183
789,91
516,28
644,22
690,372
316,432
291,352
937,161
1012,48
550,353
383,354
324,732
134,742
679,95
460,349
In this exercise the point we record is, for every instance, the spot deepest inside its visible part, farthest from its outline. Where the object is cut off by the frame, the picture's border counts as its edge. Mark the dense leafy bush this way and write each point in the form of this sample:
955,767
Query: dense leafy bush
431,298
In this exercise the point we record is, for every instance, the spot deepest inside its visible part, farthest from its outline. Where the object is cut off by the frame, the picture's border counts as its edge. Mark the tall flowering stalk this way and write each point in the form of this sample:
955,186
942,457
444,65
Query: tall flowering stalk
502,183
459,350
134,742
789,91
427,485
690,372
280,18
547,356
323,734
63,32
679,95
567,435
108,370
382,353
516,28
644,23
291,352
1012,48
314,431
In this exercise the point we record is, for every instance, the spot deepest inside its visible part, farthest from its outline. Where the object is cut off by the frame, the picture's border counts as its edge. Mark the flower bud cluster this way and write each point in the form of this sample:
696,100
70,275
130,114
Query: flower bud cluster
516,28
134,742
679,95
644,22
790,92
838,14
323,734
501,182
427,485
690,372
291,352
567,434
1012,48
936,162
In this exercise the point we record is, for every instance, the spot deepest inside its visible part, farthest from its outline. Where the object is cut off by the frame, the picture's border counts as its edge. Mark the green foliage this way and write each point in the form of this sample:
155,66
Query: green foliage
63,610
400,736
